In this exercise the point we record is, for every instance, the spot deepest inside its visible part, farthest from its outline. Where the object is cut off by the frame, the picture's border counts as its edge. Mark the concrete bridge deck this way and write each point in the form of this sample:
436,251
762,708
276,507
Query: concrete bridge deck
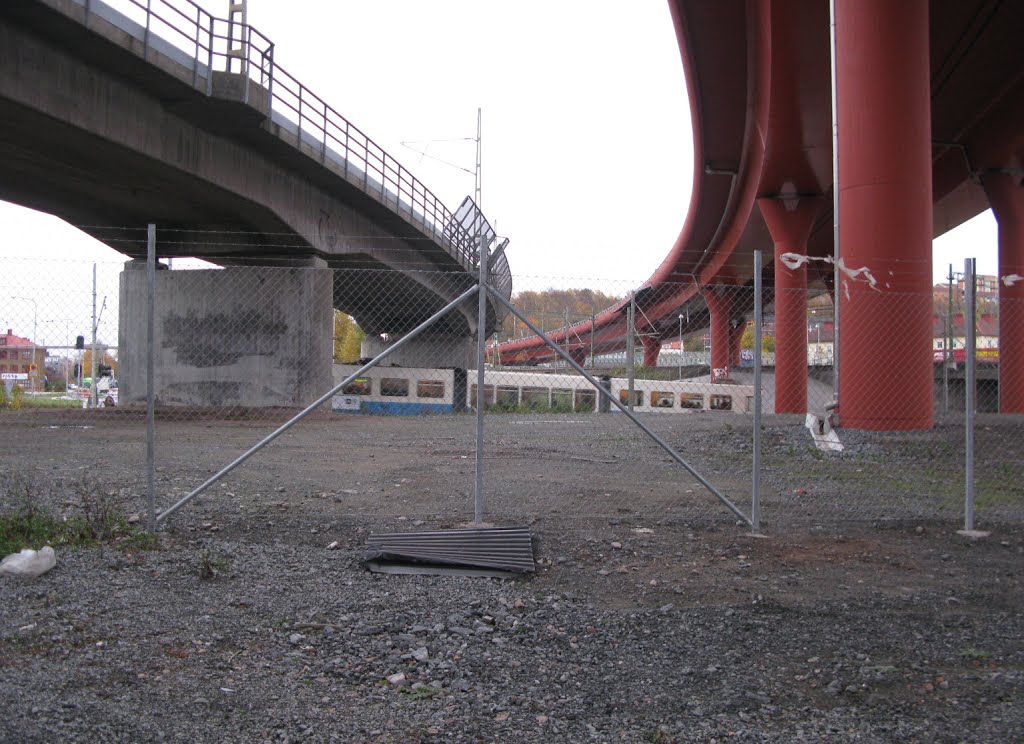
186,120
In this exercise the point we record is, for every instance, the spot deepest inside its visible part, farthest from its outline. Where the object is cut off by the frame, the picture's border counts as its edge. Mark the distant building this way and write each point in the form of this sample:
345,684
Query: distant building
986,338
986,287
22,356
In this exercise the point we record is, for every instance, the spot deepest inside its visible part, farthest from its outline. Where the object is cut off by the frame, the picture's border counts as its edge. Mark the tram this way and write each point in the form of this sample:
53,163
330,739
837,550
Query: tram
416,391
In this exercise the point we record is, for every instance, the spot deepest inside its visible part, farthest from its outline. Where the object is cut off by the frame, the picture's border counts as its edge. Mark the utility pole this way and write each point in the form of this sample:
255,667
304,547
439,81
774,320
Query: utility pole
680,346
92,366
947,357
478,500
593,319
565,321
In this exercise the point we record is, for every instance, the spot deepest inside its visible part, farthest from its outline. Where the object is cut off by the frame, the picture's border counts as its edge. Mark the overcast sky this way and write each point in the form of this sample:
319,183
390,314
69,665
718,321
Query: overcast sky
586,138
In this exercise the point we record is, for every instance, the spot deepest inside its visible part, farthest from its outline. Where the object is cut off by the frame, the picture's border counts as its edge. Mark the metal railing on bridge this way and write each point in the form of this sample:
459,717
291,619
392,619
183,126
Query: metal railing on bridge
202,44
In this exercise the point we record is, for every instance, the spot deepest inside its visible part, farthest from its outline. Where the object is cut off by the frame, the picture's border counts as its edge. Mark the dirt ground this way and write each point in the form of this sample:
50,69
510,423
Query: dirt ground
581,484
898,611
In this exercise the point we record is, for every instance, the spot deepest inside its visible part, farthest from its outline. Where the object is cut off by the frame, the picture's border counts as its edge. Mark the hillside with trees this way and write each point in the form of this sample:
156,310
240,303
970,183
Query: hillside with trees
551,309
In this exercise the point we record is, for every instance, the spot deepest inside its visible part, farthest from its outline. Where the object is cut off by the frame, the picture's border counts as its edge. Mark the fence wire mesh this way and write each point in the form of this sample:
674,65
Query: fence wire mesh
239,350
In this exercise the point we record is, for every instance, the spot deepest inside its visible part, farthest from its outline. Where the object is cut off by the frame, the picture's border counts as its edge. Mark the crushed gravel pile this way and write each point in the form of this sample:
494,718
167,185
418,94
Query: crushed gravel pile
652,617
218,640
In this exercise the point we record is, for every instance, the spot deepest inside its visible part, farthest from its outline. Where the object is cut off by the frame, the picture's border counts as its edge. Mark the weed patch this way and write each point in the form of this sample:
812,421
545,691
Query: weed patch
25,523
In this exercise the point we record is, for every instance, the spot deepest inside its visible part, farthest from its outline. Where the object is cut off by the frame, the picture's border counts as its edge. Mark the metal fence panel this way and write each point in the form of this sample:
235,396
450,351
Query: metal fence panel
241,349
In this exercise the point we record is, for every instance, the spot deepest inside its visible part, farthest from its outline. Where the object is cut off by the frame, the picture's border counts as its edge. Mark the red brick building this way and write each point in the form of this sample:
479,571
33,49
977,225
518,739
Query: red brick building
22,356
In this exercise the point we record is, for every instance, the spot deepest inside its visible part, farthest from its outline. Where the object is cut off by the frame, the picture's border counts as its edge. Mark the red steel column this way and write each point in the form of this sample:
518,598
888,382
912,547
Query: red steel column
1006,195
885,213
790,222
719,301
736,329
579,356
652,348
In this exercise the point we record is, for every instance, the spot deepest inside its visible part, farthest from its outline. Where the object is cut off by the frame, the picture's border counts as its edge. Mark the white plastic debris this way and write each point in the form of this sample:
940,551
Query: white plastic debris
825,437
29,563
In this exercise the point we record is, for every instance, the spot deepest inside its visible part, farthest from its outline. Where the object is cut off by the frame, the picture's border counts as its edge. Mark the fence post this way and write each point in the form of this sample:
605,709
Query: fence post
755,498
94,392
947,341
969,392
481,339
631,346
150,386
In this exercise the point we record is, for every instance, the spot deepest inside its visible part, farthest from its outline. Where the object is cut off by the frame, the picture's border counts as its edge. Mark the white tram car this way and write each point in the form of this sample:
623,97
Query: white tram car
408,390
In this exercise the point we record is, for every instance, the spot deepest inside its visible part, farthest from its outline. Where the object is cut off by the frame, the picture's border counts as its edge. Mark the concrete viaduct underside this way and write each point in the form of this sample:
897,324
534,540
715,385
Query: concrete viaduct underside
112,132
930,126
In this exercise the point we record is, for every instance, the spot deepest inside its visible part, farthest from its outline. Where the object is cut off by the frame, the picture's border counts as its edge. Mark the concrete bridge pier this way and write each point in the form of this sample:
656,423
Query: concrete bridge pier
429,349
252,336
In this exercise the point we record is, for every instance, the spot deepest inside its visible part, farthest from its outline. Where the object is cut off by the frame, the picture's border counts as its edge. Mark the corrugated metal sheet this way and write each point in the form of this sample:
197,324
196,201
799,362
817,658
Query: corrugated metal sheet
485,551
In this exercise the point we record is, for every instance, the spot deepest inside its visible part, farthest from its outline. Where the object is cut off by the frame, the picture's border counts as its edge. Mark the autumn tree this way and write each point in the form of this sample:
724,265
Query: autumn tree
103,357
747,342
348,338
550,308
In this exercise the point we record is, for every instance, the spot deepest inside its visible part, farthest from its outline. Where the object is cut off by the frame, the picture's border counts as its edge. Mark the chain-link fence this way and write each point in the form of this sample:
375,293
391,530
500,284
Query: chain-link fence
631,412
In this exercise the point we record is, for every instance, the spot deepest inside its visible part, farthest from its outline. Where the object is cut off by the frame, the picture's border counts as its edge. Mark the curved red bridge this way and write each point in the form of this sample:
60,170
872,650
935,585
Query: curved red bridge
930,132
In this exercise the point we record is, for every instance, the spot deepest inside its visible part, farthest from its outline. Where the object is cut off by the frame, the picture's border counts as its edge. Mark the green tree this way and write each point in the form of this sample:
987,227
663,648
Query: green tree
17,397
694,342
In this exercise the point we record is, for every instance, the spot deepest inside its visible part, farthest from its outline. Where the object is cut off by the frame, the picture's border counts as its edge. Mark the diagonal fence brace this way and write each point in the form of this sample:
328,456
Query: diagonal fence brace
320,401
624,409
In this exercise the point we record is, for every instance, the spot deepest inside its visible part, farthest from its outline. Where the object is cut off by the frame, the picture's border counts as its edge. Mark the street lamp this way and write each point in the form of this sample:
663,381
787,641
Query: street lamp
35,310
680,346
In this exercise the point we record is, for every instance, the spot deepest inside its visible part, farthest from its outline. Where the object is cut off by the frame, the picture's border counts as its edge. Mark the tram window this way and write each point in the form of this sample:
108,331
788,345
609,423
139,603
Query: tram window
720,403
430,389
586,401
534,397
561,399
358,386
394,387
506,396
638,397
488,395
691,400
662,400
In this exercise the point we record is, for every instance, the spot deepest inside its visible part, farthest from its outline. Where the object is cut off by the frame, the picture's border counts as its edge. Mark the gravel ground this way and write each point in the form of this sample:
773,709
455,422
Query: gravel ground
642,623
